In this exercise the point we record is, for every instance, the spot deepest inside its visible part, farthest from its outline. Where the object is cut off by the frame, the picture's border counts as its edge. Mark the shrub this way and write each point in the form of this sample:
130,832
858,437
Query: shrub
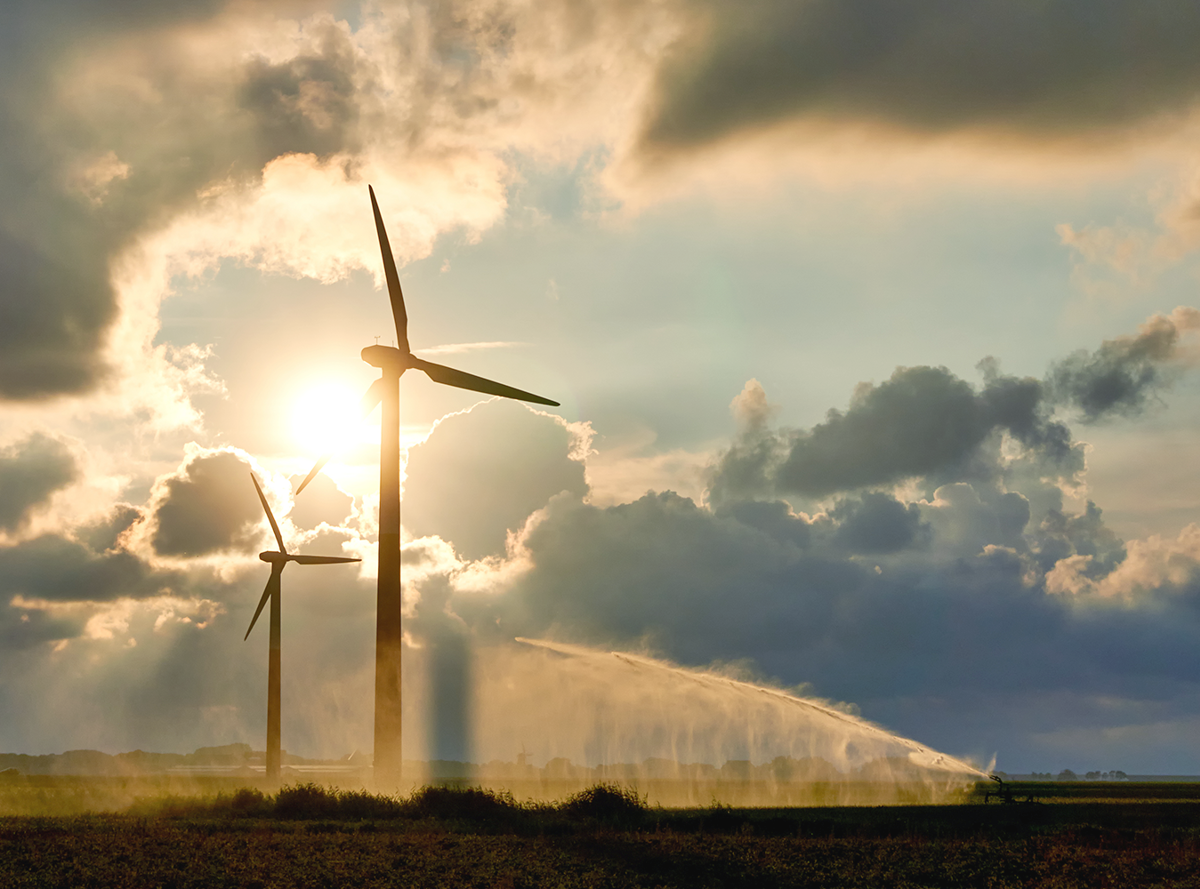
469,803
303,801
364,806
249,802
606,802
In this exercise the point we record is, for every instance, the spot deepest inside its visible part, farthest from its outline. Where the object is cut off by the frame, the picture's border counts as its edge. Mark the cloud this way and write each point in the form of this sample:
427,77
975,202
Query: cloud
914,627
208,506
1144,569
147,143
323,501
83,175
154,143
58,587
24,627
30,472
965,523
1123,373
109,532
922,422
878,523
926,423
1032,72
482,472
56,569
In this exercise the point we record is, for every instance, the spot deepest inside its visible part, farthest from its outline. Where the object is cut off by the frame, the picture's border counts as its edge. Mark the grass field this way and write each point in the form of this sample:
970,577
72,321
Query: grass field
1085,835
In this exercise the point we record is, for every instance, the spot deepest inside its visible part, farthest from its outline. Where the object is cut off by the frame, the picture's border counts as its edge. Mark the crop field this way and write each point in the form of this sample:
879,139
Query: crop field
606,836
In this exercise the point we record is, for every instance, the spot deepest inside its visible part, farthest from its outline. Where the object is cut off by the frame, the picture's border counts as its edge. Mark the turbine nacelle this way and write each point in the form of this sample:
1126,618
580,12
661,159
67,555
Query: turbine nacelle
387,358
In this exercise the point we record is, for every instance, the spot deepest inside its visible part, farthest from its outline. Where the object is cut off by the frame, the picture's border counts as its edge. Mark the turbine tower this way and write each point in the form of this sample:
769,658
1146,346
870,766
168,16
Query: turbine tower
277,560
393,362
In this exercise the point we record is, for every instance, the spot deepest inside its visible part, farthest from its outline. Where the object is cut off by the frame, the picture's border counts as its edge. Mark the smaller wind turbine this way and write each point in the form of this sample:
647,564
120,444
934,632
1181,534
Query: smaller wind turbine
277,560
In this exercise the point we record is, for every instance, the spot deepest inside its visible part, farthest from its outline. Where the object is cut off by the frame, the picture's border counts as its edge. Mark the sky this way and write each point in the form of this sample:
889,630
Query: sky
874,327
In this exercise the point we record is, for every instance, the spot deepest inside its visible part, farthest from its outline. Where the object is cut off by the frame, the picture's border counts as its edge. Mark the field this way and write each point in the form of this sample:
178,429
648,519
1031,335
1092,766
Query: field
1083,835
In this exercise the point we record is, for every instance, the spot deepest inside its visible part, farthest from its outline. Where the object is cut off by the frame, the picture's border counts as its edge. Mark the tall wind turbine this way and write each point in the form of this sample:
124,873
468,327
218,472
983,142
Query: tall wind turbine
393,362
277,560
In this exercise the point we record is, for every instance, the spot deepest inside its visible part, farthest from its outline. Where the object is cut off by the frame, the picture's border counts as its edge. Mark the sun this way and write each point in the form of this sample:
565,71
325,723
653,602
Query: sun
326,419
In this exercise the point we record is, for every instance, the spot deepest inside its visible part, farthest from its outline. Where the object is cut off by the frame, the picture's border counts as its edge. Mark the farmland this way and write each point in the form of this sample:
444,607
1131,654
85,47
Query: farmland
305,835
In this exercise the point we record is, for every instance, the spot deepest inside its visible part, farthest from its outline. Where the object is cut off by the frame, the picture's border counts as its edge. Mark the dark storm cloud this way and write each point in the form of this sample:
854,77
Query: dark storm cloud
920,420
927,423
966,518
747,469
92,568
79,184
304,105
471,495
703,587
773,517
60,570
30,472
1036,70
878,523
25,628
923,421
1123,373
55,297
209,506
1061,535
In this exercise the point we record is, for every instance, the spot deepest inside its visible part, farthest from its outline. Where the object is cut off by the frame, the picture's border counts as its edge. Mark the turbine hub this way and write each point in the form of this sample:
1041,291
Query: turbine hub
273,556
385,357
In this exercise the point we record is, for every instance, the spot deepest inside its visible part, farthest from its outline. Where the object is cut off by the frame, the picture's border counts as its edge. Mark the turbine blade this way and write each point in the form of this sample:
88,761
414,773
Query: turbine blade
270,516
272,589
371,397
312,473
393,279
448,376
320,560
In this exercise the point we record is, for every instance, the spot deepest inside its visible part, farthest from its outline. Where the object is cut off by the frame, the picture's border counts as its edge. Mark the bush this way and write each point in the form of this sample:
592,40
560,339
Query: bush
304,801
465,803
249,802
362,805
606,802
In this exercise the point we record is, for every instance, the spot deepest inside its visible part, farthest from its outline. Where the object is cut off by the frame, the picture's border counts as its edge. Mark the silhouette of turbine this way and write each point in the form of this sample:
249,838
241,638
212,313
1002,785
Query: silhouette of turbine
393,362
277,560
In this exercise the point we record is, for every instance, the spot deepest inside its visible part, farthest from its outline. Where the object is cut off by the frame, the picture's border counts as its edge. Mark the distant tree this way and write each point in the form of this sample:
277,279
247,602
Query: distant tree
1067,775
1095,776
1118,775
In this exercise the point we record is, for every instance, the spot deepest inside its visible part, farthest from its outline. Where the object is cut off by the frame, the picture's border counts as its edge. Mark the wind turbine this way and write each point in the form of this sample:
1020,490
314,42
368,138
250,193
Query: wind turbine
393,362
278,560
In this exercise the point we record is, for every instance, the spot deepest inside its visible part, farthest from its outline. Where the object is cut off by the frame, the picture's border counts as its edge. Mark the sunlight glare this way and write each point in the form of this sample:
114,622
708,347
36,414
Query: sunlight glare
325,419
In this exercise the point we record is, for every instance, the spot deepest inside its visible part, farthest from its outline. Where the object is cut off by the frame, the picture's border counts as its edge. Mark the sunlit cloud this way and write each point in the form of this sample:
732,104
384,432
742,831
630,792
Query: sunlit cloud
459,348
